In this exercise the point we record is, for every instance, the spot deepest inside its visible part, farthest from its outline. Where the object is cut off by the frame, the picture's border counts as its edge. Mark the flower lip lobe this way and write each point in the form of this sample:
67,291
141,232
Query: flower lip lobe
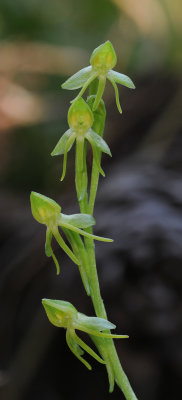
103,58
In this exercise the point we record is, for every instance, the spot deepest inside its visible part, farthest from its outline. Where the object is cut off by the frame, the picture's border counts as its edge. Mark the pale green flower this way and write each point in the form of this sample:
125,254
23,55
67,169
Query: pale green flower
102,60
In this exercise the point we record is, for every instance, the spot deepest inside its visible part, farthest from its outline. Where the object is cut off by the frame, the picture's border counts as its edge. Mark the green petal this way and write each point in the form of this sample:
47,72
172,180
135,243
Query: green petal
92,76
77,80
64,246
48,243
96,156
61,145
98,141
67,148
89,235
116,94
76,346
121,78
96,323
87,349
48,250
75,350
101,334
78,220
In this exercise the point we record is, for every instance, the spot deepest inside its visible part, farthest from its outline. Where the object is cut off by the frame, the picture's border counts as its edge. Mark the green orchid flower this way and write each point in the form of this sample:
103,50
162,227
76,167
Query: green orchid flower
46,211
63,314
80,120
102,60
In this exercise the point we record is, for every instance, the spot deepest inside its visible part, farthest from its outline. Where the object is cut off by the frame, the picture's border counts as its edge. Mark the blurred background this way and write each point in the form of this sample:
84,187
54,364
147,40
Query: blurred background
139,203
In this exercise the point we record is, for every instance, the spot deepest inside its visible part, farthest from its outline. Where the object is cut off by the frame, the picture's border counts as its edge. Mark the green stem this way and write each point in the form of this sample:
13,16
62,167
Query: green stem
106,348
79,250
100,311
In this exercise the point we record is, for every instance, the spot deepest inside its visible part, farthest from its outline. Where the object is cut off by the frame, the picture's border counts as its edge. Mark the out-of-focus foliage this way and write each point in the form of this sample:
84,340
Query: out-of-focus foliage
60,22
42,42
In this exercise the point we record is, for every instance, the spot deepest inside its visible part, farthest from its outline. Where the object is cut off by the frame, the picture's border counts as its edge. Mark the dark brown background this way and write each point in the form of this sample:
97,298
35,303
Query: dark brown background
139,202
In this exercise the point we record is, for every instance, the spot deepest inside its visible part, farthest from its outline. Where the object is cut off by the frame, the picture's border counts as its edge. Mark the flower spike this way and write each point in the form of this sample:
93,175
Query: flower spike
64,314
80,120
102,62
46,211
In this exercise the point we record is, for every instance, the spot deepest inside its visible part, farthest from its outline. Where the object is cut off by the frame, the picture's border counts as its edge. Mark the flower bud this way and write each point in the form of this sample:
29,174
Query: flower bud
45,210
103,58
80,116
60,313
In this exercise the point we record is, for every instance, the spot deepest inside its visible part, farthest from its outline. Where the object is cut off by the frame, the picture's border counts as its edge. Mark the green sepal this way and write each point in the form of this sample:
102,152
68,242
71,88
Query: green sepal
121,78
77,80
64,246
84,233
96,154
61,145
75,350
45,210
116,95
67,148
76,346
85,86
102,334
87,349
48,250
96,323
98,141
48,243
78,220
